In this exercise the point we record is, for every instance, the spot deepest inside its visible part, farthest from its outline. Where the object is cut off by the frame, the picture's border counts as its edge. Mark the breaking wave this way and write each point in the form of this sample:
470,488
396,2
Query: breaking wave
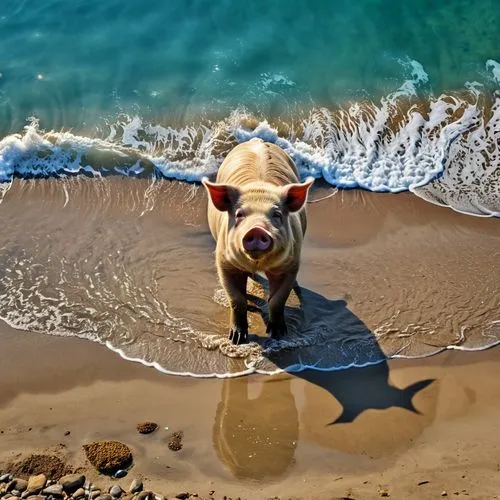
444,149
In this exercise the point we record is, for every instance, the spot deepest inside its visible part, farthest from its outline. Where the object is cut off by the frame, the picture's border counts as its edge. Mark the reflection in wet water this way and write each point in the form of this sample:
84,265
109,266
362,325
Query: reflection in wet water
256,437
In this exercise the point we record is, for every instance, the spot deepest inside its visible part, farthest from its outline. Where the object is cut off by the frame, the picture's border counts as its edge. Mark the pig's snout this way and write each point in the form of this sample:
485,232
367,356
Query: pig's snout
257,239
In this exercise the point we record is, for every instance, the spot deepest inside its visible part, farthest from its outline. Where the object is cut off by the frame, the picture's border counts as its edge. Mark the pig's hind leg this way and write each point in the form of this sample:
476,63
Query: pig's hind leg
235,285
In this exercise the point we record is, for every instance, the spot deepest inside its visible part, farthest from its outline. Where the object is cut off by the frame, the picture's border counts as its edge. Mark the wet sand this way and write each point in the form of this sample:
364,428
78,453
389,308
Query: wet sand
130,262
413,277
259,436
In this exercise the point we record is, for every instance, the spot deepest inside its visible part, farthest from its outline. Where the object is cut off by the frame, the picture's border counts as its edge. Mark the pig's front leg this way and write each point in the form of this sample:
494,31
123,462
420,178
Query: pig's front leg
235,284
280,286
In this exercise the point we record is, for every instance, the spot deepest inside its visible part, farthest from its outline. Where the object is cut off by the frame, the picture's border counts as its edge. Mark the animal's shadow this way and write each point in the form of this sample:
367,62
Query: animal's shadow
329,346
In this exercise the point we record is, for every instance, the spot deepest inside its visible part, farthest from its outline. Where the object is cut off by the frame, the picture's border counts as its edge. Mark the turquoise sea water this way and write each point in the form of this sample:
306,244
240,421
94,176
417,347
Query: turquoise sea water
74,63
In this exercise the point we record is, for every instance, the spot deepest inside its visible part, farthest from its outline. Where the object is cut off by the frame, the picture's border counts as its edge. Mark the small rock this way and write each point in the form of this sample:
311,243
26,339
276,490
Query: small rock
146,427
5,478
120,473
67,433
72,482
95,494
36,497
182,496
54,489
116,491
383,491
15,493
80,492
145,495
136,486
421,483
104,497
36,483
87,485
17,484
175,441
444,494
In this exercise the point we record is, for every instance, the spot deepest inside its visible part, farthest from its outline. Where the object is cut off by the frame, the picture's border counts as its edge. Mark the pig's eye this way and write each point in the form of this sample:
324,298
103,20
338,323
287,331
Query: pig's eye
239,215
277,217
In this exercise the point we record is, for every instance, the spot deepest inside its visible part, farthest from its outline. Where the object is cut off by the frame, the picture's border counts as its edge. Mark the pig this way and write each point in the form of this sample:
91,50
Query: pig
256,213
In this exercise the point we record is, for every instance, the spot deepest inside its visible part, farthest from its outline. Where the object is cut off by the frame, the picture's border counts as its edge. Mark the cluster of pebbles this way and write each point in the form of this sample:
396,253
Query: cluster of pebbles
72,487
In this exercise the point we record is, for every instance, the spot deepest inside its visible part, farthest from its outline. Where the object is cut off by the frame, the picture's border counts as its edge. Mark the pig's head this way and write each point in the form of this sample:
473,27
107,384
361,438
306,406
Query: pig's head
259,230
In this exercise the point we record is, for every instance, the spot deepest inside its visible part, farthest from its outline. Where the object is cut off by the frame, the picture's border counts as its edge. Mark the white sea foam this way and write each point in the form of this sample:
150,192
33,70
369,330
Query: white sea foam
444,149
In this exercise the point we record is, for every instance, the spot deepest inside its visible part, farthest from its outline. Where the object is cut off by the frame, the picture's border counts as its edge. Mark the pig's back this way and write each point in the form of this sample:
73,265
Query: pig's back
257,160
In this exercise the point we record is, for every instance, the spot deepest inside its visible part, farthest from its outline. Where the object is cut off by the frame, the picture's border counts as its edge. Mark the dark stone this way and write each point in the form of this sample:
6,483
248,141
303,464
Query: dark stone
136,486
54,489
72,482
116,491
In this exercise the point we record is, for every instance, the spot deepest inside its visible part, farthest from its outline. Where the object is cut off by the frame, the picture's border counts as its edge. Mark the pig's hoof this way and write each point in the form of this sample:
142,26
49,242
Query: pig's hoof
277,330
237,335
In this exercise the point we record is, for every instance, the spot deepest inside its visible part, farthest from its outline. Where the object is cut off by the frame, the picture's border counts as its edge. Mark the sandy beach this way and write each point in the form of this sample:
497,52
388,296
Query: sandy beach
408,428
260,437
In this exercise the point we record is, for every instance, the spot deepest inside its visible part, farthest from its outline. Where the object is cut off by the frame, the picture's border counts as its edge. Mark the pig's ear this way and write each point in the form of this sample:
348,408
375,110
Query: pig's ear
294,196
223,196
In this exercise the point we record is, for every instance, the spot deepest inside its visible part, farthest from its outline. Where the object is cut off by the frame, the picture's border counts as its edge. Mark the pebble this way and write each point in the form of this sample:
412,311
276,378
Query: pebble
72,482
144,495
15,493
104,497
120,473
136,486
18,484
4,478
95,493
36,483
36,497
80,492
87,485
182,496
116,491
444,494
54,489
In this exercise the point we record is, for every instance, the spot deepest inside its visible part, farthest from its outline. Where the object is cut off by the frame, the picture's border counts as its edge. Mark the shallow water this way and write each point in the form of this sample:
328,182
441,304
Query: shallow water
129,263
